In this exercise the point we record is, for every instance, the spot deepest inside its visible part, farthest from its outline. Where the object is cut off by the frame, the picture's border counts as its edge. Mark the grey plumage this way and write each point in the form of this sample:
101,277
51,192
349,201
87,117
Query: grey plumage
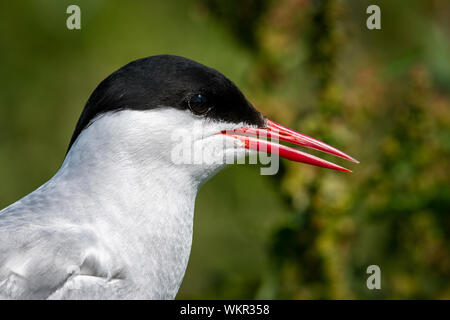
116,228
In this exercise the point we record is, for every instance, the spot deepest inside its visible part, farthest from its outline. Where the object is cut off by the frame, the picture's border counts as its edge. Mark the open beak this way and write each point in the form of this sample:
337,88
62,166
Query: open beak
259,139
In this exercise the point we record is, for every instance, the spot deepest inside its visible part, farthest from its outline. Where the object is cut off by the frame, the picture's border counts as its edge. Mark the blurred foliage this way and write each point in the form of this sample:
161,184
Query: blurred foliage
387,103
383,96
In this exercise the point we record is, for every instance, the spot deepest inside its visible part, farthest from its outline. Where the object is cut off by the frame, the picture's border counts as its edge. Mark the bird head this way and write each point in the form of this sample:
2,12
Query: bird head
183,113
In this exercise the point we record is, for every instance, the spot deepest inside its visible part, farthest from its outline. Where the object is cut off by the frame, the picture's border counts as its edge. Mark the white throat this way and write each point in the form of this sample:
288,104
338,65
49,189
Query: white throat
124,186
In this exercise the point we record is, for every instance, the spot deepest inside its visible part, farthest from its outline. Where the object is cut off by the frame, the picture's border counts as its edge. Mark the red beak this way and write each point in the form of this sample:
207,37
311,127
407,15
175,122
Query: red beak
278,132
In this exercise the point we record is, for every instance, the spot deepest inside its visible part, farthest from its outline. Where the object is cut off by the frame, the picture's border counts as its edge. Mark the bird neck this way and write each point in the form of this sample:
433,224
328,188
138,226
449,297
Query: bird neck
146,189
142,207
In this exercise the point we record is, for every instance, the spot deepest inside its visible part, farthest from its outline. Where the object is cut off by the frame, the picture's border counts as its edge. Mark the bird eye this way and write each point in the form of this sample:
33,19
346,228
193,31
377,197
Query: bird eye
199,104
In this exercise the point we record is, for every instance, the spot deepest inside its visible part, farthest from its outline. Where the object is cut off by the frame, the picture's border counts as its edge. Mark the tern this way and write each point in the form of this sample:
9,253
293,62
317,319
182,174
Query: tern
116,220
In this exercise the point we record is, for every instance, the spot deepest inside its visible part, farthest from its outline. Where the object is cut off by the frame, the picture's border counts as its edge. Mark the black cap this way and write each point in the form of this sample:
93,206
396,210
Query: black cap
169,81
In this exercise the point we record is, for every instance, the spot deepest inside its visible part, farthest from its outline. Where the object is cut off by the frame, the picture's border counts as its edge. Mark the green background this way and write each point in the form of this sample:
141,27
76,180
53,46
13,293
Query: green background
379,95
